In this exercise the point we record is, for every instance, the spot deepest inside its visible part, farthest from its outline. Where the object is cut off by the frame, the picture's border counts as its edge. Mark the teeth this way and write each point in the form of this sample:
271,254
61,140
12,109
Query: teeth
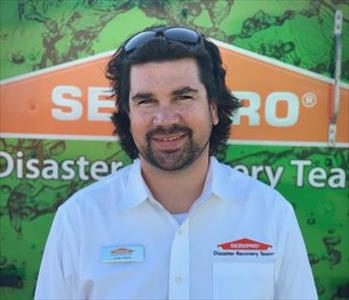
169,139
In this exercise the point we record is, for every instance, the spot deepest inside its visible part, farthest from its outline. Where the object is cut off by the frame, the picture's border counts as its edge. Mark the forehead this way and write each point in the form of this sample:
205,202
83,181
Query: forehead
164,75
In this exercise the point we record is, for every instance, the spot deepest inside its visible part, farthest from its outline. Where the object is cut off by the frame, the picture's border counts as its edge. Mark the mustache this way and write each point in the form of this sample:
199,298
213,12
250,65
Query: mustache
168,130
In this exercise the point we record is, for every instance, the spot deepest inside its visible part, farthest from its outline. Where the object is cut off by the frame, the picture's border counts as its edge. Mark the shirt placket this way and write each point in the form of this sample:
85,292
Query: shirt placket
179,264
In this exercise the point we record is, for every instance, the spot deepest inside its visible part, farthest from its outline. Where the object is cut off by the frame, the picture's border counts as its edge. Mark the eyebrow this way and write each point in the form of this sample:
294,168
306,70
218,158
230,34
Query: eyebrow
184,90
142,96
178,92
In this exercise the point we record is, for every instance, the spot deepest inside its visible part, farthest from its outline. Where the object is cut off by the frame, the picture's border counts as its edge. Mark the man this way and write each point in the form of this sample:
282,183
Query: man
176,224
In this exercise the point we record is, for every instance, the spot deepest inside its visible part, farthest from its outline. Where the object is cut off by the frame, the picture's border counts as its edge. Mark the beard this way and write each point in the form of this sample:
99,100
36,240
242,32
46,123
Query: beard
173,160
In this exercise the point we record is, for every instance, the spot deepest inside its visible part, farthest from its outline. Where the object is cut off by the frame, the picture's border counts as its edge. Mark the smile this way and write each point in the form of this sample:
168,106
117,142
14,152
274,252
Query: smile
168,143
168,139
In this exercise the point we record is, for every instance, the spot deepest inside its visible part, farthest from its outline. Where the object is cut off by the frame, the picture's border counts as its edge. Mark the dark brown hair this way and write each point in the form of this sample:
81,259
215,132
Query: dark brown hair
212,75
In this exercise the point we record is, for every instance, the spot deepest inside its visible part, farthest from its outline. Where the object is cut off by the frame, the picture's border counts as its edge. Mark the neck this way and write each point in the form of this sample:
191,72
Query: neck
177,190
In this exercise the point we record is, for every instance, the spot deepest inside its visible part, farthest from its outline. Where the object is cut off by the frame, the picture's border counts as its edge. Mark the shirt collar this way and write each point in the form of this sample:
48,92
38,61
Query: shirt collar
217,183
222,184
136,191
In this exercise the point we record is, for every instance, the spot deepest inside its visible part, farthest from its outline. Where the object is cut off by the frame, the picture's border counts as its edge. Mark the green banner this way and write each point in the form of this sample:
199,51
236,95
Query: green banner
38,174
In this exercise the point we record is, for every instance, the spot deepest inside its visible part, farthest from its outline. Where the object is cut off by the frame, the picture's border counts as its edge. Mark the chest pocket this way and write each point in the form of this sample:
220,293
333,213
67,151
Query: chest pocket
243,281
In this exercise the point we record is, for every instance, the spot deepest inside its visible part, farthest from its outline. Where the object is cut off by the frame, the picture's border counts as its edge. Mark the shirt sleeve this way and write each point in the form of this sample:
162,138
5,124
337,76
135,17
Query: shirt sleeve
294,279
56,276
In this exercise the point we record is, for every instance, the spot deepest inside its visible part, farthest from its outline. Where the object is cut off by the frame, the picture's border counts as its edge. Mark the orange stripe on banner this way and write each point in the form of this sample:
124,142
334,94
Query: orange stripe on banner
307,121
280,104
38,104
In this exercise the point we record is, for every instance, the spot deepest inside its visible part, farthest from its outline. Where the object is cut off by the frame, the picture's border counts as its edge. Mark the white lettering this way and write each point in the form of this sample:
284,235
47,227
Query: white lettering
82,163
243,246
95,103
32,167
19,164
291,117
300,170
337,178
70,109
98,169
274,178
116,165
9,163
315,176
251,111
67,167
256,170
242,169
50,170
319,177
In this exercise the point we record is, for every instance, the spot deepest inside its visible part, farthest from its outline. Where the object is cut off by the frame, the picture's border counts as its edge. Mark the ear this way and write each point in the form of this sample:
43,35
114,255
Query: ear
214,113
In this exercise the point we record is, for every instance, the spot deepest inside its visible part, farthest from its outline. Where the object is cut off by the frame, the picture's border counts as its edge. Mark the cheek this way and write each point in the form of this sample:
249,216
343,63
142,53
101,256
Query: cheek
205,117
139,123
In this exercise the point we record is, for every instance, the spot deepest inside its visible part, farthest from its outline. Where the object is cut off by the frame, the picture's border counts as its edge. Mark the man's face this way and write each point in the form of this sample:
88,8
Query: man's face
171,118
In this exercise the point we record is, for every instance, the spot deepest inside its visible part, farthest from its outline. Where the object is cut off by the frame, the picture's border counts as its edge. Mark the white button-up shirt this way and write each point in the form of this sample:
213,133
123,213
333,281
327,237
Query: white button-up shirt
112,240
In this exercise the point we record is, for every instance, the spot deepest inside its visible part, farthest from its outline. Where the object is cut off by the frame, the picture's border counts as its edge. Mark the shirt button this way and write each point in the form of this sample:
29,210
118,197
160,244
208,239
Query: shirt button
178,279
180,231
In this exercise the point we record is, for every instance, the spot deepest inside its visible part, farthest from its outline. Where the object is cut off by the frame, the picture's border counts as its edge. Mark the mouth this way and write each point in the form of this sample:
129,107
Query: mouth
168,138
168,142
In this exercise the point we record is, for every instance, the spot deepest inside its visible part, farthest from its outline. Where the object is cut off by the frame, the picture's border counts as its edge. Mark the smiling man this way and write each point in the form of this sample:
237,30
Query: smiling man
176,224
171,123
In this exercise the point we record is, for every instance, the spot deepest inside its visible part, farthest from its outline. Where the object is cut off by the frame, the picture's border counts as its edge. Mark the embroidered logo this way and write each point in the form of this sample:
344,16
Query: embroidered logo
244,244
243,247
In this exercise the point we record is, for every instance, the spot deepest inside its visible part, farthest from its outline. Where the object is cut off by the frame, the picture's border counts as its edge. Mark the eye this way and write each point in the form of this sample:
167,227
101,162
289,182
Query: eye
184,97
145,101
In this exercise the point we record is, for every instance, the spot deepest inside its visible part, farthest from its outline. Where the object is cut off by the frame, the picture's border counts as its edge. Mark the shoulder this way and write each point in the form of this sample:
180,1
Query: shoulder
105,192
250,191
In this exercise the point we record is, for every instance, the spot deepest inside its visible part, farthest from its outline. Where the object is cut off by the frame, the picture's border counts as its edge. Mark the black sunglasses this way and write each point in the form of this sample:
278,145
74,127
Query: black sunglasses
176,34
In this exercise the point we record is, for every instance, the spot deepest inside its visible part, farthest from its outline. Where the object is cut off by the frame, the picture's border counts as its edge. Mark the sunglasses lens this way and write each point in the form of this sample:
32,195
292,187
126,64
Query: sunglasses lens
181,34
178,34
138,40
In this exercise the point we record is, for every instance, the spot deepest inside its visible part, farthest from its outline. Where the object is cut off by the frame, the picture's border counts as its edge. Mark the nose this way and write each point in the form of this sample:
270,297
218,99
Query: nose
166,116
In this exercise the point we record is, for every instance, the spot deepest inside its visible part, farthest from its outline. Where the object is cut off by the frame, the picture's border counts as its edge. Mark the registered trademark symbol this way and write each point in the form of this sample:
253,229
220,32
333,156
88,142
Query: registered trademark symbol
309,99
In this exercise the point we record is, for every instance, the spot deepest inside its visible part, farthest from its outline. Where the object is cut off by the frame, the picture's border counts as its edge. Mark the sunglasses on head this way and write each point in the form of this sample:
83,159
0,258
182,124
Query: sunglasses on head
176,34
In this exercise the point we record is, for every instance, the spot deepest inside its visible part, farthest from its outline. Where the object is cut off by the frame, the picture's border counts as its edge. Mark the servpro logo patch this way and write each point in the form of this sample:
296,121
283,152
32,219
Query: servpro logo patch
121,251
244,244
243,247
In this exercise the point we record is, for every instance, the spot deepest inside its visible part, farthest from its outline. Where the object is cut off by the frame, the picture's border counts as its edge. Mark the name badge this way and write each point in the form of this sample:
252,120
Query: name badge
122,253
